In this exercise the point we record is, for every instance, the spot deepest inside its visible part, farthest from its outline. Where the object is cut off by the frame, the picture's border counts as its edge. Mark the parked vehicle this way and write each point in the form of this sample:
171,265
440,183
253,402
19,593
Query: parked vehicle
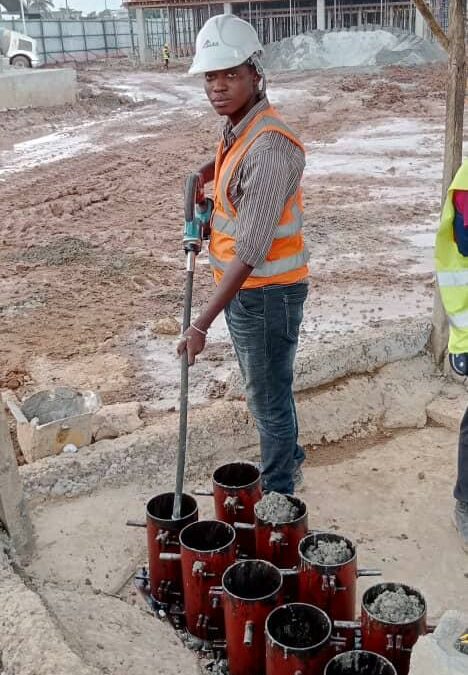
19,48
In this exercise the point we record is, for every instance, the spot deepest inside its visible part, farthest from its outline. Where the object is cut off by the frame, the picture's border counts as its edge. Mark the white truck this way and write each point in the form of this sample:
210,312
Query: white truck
20,49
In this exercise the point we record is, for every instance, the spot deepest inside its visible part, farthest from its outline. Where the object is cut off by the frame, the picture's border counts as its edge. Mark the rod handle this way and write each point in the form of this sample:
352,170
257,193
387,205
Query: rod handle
244,526
353,625
336,641
169,556
289,572
249,633
135,523
369,573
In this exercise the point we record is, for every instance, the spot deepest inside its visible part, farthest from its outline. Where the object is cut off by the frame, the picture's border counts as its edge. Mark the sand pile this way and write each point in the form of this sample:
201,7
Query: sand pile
350,48
396,606
276,508
325,552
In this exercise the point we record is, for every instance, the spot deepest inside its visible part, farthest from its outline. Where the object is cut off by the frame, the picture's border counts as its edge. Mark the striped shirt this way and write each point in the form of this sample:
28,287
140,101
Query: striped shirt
267,176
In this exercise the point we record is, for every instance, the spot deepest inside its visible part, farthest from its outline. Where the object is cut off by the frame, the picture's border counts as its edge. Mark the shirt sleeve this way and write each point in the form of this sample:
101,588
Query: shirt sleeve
266,177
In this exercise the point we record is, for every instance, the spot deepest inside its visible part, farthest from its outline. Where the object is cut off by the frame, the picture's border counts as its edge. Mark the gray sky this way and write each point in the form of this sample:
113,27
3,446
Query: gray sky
89,5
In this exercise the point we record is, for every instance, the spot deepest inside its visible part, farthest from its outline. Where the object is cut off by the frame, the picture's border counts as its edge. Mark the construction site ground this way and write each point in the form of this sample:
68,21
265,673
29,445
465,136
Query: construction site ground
390,494
92,276
91,213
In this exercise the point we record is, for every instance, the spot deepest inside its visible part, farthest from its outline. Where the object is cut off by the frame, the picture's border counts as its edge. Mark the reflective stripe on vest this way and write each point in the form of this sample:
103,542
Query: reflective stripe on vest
455,278
228,226
270,268
458,320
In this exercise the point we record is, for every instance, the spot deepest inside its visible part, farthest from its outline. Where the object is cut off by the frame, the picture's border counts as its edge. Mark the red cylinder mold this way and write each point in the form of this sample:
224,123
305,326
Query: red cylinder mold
236,490
207,548
330,587
163,545
392,640
250,591
279,542
297,640
359,662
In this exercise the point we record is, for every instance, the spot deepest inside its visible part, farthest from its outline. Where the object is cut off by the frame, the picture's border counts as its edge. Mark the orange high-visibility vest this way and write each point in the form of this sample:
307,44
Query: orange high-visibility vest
286,261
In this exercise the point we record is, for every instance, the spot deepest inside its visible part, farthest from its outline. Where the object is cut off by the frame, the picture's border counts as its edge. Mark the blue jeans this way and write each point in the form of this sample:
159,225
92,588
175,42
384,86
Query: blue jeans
264,326
461,487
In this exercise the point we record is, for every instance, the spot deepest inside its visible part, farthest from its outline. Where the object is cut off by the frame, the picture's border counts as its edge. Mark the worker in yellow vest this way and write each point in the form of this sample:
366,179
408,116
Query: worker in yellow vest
257,249
166,55
451,256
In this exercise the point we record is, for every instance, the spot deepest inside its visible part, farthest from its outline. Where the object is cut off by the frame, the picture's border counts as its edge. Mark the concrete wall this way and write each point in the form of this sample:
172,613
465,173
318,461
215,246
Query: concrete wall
21,88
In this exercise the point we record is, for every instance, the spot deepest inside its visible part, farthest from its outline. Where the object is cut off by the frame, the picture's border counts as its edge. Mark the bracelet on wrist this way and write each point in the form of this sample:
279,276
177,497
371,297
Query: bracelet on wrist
199,330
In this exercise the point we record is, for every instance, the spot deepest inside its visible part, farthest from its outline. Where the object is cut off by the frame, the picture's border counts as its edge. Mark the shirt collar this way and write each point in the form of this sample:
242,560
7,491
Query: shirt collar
231,133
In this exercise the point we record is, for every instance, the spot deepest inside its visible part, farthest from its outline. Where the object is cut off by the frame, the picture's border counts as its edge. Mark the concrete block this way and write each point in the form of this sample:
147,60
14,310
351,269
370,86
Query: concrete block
447,412
49,420
29,88
13,512
435,654
407,388
116,420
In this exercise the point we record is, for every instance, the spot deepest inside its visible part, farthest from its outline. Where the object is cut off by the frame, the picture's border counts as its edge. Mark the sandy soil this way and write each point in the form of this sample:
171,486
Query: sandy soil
91,221
399,520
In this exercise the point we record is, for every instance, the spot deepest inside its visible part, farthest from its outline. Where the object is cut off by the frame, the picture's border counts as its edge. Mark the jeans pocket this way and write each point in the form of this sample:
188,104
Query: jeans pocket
294,306
251,304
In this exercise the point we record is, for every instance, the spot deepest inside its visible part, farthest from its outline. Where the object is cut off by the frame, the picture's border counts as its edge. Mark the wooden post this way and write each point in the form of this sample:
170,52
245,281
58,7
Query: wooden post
13,513
456,89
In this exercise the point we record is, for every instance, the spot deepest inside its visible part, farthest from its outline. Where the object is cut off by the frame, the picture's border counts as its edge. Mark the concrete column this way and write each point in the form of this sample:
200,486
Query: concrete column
144,51
359,17
390,15
420,25
13,514
329,21
227,8
321,17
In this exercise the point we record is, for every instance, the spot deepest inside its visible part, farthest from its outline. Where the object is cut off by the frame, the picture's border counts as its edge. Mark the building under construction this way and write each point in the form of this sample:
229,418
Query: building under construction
179,21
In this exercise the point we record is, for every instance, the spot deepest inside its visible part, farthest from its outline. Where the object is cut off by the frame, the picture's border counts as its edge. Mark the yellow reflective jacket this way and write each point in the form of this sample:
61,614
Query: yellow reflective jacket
452,270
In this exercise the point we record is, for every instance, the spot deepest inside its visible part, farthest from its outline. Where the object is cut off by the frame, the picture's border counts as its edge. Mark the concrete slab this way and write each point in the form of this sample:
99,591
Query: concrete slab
28,88
447,412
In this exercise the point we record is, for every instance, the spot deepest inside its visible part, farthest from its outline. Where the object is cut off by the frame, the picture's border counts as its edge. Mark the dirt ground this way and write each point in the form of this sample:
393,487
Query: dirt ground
399,520
91,221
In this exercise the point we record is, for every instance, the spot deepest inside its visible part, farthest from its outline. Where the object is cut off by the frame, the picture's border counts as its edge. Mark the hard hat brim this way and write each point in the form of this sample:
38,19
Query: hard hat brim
206,66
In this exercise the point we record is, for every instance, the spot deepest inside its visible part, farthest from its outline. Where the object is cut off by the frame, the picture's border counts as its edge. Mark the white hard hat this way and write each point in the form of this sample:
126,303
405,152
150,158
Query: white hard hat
225,41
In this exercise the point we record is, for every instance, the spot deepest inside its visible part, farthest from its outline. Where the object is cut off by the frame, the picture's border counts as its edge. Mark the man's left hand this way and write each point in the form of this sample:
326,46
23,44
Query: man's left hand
193,342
